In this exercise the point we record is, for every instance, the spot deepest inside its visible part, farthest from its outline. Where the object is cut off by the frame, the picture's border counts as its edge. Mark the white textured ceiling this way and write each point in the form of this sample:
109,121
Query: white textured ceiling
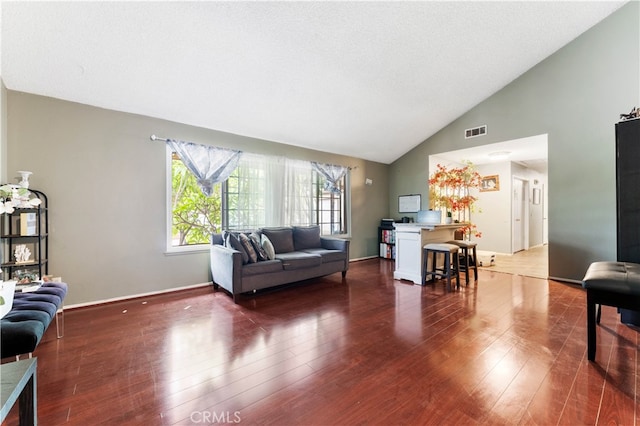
365,79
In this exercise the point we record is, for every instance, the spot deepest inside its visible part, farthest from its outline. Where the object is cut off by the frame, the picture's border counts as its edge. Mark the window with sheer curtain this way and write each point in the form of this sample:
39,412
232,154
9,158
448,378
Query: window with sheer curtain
261,191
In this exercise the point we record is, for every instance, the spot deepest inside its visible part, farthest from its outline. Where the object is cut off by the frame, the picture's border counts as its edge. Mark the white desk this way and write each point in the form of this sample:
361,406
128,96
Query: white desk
410,238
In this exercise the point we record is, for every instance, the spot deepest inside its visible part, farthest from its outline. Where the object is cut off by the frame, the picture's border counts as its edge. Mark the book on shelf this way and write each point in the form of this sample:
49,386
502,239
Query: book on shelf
388,236
388,251
28,224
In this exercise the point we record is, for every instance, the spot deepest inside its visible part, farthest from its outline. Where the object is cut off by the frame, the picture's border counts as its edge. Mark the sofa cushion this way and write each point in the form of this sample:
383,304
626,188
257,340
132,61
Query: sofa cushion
305,237
58,289
21,336
262,267
50,305
23,327
231,240
298,260
248,247
327,254
268,247
281,238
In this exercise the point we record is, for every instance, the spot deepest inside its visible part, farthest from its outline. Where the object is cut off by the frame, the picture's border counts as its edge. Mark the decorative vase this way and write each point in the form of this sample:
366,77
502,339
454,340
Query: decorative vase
25,178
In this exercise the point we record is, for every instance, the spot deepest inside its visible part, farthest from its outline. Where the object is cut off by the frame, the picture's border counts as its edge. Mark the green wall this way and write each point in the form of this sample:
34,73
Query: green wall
106,184
576,97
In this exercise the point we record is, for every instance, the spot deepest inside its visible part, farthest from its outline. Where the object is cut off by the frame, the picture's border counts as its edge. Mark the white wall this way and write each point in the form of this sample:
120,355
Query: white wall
493,217
495,220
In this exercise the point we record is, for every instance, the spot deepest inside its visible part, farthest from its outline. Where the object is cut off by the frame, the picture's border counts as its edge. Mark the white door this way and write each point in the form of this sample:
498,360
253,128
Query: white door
518,210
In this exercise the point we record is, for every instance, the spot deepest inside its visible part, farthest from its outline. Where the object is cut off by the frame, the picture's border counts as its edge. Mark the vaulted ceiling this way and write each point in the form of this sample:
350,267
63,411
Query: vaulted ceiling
365,79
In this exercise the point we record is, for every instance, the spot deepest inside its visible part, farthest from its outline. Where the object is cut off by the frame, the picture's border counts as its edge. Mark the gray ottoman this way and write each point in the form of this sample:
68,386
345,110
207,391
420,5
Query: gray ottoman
613,284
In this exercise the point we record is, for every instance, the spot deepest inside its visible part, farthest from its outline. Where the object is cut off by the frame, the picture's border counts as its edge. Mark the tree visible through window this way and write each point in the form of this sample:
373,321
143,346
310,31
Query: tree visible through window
253,197
195,216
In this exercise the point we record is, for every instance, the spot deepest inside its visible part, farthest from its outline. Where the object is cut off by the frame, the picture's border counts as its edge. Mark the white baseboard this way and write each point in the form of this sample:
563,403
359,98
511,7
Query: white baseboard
363,258
153,293
135,296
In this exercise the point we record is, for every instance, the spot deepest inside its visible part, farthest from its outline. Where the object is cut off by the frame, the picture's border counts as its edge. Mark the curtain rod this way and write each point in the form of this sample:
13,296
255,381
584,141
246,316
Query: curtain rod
155,138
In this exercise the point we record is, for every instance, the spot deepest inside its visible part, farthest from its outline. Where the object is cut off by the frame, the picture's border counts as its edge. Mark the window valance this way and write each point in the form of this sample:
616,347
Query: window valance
209,164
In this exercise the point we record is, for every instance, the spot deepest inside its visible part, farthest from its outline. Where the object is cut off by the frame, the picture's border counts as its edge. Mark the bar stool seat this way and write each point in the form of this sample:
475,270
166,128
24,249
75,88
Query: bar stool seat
451,263
469,256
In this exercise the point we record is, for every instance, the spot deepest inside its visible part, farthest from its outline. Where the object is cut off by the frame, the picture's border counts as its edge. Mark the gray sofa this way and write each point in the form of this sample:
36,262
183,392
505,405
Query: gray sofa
269,257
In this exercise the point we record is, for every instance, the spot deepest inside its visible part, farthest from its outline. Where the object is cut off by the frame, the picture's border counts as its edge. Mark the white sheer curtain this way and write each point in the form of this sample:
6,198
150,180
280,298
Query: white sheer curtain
298,187
273,191
247,208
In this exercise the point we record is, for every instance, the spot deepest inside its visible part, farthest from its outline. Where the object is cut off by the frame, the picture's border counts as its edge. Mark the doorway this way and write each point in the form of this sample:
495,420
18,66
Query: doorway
521,237
520,215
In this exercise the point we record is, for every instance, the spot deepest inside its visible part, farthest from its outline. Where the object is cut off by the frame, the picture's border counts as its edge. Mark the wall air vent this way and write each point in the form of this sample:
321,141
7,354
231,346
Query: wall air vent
475,132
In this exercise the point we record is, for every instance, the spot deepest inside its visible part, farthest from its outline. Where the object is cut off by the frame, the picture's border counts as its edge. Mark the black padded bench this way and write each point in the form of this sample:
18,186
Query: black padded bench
24,325
613,284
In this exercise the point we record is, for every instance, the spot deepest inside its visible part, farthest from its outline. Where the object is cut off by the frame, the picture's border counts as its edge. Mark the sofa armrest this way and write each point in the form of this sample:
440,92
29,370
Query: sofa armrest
331,243
226,267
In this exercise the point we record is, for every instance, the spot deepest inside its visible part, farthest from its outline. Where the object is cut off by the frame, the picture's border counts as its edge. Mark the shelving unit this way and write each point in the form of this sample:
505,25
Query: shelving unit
387,242
628,204
34,234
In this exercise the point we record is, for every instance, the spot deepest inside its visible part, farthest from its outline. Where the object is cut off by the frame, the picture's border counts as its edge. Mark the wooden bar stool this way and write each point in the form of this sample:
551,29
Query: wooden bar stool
451,263
469,256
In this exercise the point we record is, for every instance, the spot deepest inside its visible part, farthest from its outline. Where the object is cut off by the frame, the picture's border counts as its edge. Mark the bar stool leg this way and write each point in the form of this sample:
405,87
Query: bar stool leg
465,254
447,269
434,258
475,264
456,267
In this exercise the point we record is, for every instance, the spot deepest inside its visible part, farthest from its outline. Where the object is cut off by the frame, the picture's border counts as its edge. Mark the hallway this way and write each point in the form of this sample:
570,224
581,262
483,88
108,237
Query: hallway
533,262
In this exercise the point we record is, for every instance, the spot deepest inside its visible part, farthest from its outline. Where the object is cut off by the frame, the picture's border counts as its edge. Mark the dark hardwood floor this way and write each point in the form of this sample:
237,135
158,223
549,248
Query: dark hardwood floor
364,350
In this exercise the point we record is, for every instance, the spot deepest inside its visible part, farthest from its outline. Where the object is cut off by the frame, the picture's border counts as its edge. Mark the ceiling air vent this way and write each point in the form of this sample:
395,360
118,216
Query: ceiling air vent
476,131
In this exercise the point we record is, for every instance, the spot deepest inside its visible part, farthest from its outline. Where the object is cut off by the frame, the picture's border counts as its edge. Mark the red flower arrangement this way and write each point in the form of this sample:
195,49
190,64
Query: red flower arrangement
449,192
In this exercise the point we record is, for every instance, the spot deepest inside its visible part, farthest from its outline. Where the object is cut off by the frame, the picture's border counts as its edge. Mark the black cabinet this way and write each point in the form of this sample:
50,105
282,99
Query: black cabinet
628,198
27,228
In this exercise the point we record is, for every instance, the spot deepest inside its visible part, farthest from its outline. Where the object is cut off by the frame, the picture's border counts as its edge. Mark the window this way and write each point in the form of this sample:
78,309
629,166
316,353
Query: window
329,207
194,216
262,191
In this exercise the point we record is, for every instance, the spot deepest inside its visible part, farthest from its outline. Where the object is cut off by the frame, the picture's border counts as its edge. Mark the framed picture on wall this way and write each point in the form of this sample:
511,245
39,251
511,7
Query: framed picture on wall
409,203
490,183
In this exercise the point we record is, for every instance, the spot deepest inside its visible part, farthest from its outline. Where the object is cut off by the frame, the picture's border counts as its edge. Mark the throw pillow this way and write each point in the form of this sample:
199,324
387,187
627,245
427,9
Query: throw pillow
268,247
305,237
217,239
248,247
255,241
281,238
232,241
